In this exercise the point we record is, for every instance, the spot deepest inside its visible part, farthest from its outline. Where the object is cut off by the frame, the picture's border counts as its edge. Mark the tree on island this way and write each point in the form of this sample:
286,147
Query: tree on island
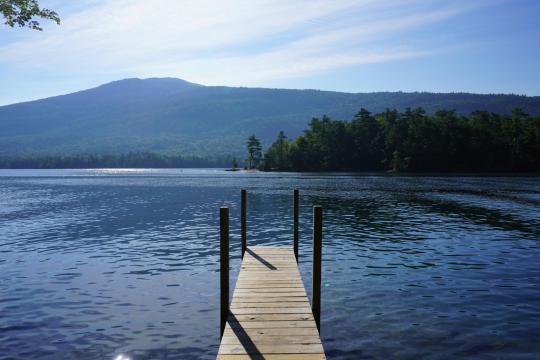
254,149
281,144
21,13
277,157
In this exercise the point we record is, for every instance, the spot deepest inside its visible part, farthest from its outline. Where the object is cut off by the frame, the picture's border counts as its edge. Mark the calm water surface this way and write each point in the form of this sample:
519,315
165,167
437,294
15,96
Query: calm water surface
97,263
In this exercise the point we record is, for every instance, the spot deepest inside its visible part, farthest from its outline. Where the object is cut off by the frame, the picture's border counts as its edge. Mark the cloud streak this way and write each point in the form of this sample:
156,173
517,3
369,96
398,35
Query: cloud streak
229,42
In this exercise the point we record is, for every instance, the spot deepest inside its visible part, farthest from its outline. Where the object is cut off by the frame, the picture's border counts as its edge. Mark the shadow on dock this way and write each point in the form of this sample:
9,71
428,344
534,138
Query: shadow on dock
260,259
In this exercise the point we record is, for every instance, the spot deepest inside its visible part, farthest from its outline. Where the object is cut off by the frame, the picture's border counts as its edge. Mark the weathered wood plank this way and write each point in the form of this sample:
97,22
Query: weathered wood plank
272,300
272,357
267,257
269,279
258,253
261,257
276,304
299,281
248,348
271,310
265,339
270,295
273,266
269,282
271,317
283,331
277,267
271,324
264,285
245,289
270,290
269,248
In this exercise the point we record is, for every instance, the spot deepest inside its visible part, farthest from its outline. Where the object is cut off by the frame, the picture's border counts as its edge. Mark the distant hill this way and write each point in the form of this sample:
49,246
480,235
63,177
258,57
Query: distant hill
176,116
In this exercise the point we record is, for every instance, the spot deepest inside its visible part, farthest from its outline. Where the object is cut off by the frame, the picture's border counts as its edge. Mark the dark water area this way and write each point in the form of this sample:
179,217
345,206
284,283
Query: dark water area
97,263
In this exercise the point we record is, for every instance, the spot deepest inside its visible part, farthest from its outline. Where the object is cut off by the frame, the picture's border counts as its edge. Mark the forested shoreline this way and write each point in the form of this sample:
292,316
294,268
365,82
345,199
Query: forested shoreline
412,141
129,160
408,141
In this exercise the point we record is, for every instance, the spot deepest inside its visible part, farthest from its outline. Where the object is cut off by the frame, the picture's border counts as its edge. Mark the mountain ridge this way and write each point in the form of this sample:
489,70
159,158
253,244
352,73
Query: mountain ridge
172,115
196,85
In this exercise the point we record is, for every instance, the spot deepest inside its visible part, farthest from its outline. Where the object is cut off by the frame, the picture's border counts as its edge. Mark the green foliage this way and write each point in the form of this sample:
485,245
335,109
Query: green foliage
254,149
413,141
278,154
22,13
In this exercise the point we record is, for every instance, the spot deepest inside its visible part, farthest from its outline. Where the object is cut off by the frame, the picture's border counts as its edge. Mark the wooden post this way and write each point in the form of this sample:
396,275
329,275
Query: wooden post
224,265
243,221
317,264
296,199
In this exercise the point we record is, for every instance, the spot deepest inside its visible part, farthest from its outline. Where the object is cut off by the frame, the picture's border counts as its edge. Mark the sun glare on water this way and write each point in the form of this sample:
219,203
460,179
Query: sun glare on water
122,357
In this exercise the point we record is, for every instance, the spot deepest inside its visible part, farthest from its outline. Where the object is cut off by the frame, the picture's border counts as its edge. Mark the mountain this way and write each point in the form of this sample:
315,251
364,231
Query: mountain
176,116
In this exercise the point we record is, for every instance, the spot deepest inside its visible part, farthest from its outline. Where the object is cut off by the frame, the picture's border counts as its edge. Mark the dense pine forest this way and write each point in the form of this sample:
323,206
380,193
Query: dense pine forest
413,141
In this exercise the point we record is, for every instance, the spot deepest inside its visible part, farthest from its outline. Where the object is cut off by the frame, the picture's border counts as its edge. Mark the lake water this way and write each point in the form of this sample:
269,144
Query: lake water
97,263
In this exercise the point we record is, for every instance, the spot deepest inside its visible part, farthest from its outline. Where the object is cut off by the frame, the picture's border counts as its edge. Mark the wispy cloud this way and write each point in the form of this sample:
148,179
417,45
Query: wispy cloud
231,42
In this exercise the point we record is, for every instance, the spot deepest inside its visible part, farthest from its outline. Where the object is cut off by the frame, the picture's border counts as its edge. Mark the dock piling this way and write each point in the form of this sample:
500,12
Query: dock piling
296,201
243,212
317,264
224,265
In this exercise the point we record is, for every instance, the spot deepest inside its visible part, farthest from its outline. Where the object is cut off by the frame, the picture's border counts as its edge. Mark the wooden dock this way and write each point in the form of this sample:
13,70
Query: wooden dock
270,316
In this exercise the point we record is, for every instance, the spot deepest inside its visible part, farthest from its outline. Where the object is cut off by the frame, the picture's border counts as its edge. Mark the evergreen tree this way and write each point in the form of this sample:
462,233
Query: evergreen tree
278,154
254,149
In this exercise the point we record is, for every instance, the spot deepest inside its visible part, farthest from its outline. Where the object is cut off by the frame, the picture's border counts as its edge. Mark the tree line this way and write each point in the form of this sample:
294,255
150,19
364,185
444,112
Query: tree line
129,160
412,141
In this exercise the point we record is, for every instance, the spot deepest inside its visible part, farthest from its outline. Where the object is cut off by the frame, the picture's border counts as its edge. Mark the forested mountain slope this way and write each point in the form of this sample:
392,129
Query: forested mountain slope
174,116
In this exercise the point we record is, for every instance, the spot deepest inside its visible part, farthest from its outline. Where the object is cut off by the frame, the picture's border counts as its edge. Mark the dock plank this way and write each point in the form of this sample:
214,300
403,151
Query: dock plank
273,357
270,315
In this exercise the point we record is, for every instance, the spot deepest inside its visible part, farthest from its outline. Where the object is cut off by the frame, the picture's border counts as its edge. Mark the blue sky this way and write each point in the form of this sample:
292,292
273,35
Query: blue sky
481,46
